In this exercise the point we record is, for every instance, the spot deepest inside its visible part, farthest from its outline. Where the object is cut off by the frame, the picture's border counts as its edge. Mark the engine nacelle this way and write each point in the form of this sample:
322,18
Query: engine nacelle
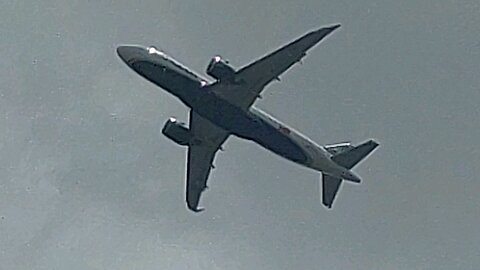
220,70
177,132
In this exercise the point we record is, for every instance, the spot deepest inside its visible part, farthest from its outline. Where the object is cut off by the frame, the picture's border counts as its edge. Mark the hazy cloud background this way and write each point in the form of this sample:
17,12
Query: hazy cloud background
88,182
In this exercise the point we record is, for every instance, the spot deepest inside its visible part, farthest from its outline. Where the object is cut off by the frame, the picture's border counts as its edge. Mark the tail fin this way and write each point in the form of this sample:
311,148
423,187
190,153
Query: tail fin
348,159
330,186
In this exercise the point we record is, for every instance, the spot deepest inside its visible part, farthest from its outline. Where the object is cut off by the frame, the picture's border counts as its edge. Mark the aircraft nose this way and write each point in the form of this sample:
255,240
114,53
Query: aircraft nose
129,53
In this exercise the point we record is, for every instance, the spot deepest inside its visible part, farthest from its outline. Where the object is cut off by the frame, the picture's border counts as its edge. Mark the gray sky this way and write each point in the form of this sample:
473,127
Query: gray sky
88,182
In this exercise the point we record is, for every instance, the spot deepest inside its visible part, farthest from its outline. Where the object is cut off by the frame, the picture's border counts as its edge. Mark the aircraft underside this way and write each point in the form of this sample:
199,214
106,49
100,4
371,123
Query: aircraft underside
224,107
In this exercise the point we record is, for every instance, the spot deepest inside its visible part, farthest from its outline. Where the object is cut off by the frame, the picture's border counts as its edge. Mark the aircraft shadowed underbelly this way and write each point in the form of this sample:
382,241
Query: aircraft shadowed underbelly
243,124
269,137
248,126
169,79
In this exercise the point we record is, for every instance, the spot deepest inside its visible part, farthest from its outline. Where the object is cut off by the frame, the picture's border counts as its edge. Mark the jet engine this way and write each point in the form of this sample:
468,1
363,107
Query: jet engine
220,69
177,132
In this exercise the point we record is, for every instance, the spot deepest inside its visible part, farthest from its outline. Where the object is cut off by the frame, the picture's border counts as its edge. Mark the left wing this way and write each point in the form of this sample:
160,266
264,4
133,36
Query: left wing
251,79
209,139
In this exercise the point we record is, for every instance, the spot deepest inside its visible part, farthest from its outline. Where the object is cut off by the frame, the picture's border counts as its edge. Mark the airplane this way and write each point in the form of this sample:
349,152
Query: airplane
224,107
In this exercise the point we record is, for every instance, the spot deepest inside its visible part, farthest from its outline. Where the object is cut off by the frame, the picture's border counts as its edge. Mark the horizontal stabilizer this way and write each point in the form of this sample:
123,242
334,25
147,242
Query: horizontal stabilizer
330,186
338,148
351,157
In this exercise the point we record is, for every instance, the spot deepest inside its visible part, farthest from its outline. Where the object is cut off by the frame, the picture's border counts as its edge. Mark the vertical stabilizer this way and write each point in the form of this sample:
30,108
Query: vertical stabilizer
330,186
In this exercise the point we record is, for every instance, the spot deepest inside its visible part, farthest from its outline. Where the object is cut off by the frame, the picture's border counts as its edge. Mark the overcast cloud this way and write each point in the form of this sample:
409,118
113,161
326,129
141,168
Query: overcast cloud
88,182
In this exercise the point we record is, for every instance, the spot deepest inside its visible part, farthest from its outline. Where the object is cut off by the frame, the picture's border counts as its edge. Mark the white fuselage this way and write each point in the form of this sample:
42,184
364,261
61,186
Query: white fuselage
317,157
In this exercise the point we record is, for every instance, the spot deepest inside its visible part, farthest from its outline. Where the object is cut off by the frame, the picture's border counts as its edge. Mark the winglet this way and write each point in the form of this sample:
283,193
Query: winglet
309,40
333,27
198,210
195,209
329,29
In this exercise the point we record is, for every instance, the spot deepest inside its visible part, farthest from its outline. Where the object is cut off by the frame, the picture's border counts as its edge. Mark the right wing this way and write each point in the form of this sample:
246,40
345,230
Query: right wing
251,79
201,154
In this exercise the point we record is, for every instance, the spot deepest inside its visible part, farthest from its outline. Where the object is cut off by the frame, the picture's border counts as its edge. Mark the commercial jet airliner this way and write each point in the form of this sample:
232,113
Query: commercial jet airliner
223,107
